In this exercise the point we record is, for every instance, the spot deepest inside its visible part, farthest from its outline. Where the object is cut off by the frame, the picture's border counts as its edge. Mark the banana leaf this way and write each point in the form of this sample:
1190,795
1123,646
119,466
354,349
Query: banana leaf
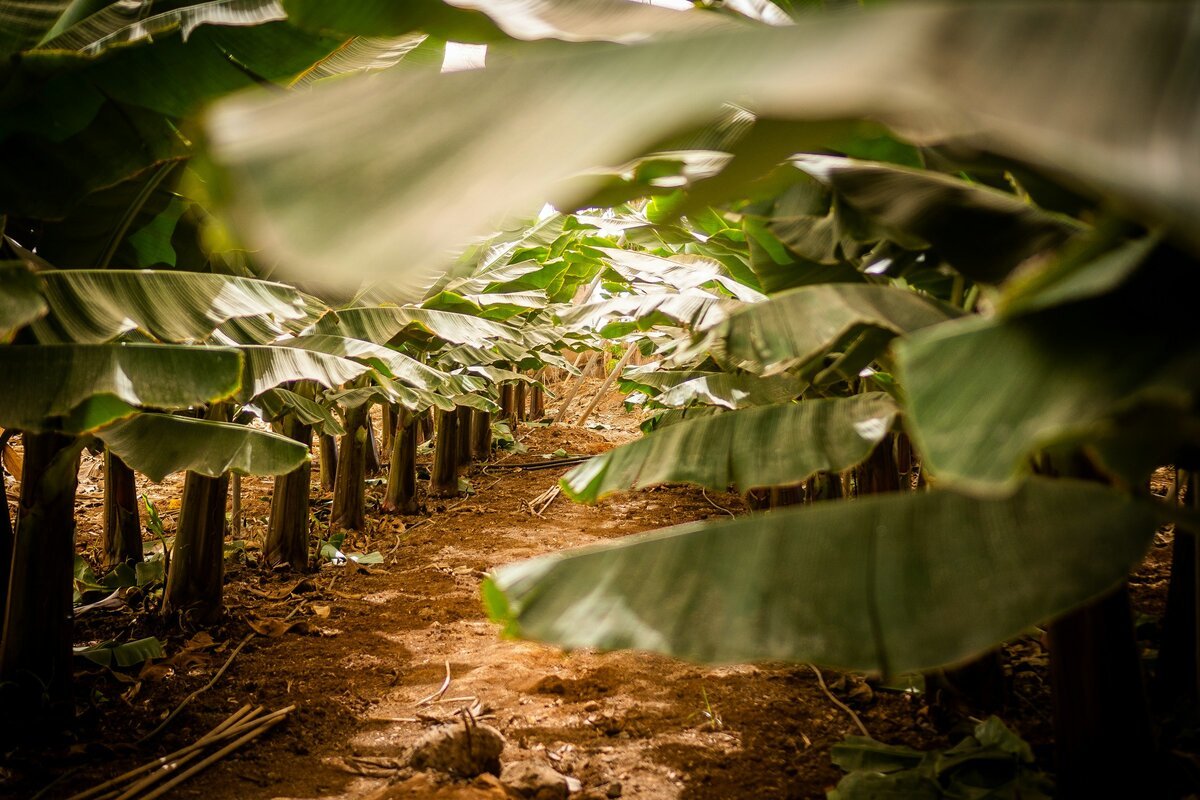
96,305
887,584
81,387
21,300
268,367
765,446
157,445
1082,99
795,327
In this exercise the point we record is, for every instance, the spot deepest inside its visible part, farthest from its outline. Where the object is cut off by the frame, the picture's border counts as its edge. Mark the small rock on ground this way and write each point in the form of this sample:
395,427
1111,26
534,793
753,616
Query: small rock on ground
461,750
534,781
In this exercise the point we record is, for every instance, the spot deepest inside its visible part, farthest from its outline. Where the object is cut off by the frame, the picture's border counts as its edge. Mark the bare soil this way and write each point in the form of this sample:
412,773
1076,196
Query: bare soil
376,643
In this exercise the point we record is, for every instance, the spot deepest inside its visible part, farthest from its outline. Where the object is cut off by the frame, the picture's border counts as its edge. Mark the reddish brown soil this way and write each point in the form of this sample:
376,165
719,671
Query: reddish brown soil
379,640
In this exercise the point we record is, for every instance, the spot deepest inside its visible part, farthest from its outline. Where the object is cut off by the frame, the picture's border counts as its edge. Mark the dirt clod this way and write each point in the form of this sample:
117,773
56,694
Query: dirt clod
534,780
462,750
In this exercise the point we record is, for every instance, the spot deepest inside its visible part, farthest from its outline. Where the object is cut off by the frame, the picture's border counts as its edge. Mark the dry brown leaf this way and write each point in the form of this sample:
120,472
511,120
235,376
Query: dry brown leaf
274,628
12,460
299,587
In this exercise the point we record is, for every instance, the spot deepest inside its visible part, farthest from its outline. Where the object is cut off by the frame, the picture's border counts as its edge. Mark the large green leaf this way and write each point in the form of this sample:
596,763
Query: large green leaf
157,445
21,300
1084,98
795,327
596,20
681,271
81,387
391,362
277,403
692,308
766,446
983,395
268,367
100,305
365,54
72,124
889,583
982,232
125,22
732,391
382,324
23,23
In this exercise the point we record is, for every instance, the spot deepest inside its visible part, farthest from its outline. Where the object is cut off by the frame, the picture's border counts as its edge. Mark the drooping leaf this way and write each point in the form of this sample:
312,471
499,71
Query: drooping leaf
122,654
126,22
743,448
382,324
1095,121
888,583
461,20
94,305
693,308
654,381
268,367
981,232
276,403
795,327
98,383
364,54
23,24
157,445
983,395
21,300
732,391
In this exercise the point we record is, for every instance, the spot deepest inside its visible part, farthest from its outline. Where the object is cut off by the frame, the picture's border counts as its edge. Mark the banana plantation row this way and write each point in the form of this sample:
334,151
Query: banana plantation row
958,313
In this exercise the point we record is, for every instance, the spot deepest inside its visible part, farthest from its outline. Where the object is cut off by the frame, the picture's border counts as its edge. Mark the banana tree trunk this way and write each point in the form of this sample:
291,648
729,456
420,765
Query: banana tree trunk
350,488
6,538
1179,658
519,401
879,473
327,455
782,496
387,437
287,531
198,559
508,404
537,403
443,479
121,539
463,436
425,426
35,649
481,435
400,496
1100,711
374,464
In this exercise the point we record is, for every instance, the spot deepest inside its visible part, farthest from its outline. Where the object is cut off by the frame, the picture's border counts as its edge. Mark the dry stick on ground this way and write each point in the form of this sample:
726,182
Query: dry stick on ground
215,678
167,759
839,703
714,505
612,376
171,767
433,698
224,751
247,728
566,403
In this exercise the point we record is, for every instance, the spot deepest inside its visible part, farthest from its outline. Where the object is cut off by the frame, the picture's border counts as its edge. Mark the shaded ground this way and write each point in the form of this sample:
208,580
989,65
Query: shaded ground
376,642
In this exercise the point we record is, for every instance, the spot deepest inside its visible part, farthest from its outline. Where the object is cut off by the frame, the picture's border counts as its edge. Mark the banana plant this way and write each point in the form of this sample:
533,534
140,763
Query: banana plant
989,151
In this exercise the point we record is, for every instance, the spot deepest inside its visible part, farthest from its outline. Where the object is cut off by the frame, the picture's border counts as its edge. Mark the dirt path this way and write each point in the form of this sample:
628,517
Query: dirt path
377,641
